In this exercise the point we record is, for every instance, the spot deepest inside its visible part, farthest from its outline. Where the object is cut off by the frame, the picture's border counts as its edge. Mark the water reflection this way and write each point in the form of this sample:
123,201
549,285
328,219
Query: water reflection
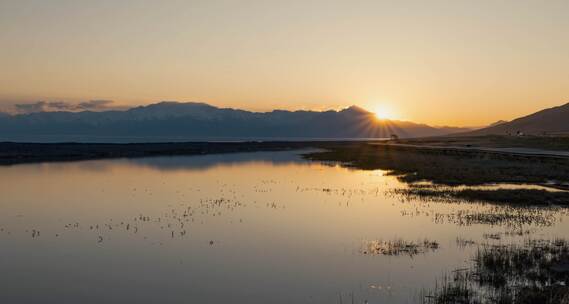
208,161
238,228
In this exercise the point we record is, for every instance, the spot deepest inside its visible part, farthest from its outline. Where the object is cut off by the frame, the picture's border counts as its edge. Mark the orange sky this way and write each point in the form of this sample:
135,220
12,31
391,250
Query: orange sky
438,62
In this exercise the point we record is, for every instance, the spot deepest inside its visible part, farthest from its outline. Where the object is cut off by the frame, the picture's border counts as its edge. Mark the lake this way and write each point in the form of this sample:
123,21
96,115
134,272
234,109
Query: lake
237,228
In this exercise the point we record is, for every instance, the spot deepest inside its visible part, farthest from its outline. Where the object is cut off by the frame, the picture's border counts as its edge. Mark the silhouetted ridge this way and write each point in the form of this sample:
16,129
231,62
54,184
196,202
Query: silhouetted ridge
199,120
545,122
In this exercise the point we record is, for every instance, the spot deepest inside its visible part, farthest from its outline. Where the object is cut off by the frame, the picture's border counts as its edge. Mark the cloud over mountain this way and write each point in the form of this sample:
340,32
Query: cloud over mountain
53,106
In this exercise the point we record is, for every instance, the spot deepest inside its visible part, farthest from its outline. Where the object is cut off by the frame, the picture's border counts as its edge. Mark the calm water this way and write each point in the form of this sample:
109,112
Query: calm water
239,228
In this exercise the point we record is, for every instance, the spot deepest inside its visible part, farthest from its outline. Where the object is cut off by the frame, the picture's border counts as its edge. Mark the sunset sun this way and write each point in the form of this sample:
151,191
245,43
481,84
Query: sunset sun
384,112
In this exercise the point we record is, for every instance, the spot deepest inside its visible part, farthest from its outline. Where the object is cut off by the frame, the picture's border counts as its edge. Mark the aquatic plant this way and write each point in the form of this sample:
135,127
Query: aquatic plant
398,247
535,272
526,197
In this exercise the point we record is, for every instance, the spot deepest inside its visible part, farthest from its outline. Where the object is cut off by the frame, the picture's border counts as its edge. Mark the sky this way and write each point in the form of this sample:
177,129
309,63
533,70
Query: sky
461,63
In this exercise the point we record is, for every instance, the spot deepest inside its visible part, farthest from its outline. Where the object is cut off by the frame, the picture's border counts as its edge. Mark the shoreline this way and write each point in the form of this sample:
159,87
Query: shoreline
12,153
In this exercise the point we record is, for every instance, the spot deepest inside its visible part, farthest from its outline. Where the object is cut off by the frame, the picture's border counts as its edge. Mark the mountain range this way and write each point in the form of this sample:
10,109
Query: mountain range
175,121
552,121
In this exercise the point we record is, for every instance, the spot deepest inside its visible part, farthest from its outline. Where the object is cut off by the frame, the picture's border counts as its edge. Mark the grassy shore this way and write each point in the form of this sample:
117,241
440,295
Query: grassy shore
495,141
460,167
448,167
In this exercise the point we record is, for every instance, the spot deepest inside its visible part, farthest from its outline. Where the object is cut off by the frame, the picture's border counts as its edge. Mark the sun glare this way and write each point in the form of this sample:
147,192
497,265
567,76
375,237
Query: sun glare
384,112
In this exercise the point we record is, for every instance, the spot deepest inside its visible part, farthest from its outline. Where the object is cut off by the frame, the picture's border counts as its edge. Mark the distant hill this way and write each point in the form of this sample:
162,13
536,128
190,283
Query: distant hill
499,122
549,121
199,121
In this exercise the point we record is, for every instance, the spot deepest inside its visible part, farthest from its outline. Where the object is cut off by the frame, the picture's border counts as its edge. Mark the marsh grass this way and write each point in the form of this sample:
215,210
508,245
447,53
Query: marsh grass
456,167
535,272
497,196
518,220
464,243
560,143
399,247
